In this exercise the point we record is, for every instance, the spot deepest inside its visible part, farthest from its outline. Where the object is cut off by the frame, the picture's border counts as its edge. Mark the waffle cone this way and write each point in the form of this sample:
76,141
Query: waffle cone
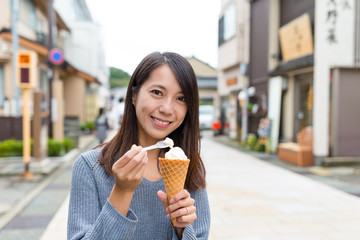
174,175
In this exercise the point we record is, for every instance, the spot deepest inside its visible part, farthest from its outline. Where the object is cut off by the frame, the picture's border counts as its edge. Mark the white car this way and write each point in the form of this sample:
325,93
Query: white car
206,116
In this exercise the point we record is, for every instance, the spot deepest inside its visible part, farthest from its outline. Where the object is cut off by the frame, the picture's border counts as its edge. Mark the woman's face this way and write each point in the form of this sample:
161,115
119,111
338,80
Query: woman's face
160,106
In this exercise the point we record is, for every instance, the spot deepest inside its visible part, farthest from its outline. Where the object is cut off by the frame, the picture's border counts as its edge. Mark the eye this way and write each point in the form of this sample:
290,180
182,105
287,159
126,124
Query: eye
156,92
181,99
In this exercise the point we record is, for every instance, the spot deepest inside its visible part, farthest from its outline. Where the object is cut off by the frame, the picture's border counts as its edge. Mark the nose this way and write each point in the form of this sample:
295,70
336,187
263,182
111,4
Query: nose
166,107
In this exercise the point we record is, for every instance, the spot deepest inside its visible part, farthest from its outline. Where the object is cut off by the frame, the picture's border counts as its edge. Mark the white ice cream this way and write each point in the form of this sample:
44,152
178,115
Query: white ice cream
169,142
174,152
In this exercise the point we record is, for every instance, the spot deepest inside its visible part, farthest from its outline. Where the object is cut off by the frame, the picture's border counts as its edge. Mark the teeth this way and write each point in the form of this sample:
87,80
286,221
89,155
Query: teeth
161,122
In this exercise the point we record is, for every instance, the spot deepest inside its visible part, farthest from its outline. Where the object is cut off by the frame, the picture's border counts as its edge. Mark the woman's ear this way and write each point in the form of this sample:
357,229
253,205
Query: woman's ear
133,99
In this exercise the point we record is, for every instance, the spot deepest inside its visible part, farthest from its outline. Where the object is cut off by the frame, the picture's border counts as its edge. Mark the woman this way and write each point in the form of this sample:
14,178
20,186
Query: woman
117,191
101,125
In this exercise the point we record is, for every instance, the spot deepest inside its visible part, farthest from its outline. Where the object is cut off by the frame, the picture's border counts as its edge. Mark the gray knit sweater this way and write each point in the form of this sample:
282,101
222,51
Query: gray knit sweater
91,215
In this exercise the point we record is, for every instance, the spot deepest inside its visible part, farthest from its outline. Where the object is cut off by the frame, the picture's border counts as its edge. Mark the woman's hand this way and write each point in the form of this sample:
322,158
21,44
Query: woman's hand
129,169
181,207
128,173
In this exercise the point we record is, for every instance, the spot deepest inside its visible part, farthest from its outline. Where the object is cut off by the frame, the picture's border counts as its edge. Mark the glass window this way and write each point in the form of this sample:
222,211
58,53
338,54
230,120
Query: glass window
230,22
28,13
227,24
221,31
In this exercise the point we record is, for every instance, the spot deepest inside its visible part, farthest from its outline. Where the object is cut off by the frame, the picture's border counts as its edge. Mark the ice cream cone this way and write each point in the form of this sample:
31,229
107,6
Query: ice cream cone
174,174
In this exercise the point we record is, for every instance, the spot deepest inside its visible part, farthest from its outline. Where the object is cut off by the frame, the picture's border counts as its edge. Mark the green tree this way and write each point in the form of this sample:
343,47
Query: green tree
118,78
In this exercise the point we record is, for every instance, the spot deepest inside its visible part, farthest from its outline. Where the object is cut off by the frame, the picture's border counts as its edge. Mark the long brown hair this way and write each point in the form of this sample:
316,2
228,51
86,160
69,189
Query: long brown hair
186,136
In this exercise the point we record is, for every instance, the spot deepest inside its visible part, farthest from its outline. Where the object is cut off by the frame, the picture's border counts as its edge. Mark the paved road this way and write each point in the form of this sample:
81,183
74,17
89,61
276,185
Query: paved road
252,199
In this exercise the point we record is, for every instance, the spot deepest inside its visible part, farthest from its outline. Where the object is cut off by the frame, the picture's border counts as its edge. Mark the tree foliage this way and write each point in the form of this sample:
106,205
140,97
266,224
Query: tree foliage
118,78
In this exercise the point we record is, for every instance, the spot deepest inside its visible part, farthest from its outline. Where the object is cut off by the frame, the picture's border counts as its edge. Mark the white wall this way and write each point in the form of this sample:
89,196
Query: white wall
83,47
326,55
236,50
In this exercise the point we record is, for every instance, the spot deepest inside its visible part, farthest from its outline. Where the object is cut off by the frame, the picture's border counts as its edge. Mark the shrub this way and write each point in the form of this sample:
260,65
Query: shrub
54,148
83,126
68,144
87,126
11,148
91,125
251,141
260,148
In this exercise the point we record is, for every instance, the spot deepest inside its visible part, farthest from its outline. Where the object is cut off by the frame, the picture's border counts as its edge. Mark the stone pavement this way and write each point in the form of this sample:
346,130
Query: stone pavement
253,200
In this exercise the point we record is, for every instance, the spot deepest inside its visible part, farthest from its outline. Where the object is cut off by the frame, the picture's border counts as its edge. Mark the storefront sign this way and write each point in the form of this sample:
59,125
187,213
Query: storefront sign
231,81
296,38
333,11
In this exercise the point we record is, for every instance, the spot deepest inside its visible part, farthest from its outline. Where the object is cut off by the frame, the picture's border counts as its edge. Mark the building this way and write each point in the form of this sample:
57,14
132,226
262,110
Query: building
312,53
33,32
233,59
84,49
206,79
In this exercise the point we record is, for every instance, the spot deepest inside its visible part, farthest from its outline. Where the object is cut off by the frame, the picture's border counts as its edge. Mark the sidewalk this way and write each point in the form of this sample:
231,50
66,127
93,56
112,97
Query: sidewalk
57,228
254,200
27,206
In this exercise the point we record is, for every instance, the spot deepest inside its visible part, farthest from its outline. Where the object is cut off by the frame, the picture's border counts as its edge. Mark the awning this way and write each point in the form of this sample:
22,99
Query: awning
284,68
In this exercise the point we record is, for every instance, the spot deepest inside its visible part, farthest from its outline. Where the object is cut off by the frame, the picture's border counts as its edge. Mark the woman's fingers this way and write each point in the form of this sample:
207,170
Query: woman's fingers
186,218
180,200
163,198
139,169
129,155
129,169
180,195
182,207
131,160
184,211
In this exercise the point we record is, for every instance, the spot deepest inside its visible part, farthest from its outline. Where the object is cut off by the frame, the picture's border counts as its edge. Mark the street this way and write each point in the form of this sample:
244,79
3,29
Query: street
249,199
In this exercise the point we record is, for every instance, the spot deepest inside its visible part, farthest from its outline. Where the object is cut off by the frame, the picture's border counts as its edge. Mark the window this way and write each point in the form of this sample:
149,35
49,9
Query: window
2,89
227,24
221,31
28,13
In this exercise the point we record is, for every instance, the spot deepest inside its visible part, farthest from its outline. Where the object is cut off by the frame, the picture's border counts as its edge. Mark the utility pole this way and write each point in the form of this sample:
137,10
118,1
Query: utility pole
244,97
50,16
15,46
245,115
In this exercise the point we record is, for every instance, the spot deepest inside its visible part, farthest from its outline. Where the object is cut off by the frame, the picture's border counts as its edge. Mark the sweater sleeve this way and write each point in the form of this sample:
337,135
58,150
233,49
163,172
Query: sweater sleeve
87,219
200,228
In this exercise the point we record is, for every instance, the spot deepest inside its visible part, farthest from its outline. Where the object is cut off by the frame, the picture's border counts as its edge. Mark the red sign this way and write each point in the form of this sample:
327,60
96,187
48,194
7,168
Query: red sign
231,81
56,56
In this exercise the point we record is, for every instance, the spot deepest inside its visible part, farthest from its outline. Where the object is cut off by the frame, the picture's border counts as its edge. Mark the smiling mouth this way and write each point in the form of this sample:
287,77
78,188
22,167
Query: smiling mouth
160,122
